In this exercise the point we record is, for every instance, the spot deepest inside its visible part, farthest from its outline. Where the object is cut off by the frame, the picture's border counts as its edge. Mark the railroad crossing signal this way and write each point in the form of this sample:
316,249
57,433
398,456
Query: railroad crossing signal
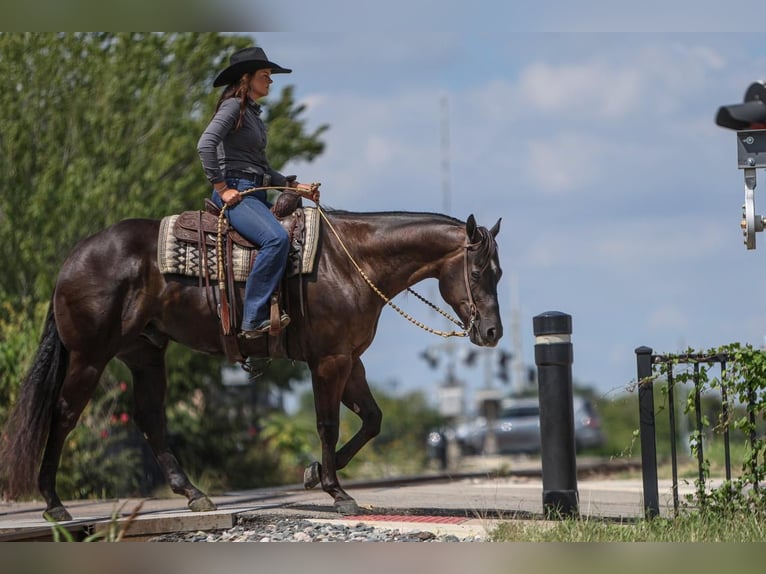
749,119
749,115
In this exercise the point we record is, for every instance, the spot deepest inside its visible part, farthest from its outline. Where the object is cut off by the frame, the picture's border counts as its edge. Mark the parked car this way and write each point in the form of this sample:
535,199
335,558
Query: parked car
517,428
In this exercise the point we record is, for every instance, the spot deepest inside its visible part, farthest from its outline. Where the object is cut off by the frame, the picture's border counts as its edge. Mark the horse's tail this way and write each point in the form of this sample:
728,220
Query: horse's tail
26,432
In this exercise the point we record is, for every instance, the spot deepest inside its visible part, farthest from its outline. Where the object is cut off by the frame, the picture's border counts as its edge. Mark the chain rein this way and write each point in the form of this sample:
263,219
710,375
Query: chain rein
445,334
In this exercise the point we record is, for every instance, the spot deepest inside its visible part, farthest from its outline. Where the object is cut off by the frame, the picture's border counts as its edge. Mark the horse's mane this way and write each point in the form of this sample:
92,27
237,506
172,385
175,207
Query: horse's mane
486,244
420,215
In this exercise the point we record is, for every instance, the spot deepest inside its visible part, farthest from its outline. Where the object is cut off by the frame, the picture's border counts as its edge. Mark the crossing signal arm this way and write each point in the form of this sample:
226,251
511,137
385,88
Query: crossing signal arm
749,120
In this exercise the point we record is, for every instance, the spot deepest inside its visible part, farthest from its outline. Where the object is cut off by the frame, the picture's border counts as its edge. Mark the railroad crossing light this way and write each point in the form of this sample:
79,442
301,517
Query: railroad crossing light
750,115
431,357
470,357
749,119
503,362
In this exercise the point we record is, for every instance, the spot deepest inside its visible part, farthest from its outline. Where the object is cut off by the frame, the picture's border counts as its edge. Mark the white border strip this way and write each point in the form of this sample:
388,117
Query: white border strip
553,339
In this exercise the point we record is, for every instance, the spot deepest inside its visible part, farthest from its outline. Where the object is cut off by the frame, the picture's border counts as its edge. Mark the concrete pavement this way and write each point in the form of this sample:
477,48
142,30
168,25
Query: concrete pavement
467,503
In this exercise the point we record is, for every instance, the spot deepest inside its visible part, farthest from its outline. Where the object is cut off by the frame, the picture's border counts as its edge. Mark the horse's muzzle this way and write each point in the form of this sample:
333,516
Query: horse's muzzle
486,333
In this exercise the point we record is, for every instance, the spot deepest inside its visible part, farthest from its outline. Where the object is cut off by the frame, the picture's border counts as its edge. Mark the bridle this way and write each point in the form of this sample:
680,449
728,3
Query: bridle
484,238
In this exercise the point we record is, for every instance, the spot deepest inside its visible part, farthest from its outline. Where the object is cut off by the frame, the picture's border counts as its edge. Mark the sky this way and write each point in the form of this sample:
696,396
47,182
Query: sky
592,136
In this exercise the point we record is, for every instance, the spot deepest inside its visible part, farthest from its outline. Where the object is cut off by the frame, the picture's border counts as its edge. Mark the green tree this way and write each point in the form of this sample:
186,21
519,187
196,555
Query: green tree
99,127
95,128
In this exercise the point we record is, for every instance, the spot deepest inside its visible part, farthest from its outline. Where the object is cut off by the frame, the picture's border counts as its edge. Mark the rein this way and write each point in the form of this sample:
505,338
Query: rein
393,305
445,334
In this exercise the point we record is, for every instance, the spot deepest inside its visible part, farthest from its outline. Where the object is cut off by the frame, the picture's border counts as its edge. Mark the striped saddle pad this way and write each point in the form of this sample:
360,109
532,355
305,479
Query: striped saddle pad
182,257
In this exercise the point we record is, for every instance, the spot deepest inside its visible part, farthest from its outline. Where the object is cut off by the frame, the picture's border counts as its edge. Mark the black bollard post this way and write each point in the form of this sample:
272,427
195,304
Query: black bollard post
646,428
554,357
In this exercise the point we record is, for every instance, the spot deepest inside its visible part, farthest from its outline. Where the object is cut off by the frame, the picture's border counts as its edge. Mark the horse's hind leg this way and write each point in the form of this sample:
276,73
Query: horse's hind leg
80,382
146,362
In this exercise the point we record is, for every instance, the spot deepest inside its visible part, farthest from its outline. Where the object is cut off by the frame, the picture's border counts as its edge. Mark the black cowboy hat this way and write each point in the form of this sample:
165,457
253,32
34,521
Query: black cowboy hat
247,60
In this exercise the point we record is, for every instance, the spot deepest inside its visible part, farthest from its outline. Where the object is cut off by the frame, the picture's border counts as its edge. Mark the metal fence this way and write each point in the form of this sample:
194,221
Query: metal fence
651,366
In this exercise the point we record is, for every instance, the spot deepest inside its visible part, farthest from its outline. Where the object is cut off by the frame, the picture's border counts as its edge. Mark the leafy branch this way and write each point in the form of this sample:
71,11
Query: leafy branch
741,387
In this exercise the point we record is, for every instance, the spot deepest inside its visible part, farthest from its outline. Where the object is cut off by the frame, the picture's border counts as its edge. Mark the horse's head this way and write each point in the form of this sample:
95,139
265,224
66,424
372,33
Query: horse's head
469,284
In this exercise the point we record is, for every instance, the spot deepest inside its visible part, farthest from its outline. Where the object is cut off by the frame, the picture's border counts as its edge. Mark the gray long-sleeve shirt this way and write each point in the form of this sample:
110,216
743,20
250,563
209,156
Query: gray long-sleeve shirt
223,148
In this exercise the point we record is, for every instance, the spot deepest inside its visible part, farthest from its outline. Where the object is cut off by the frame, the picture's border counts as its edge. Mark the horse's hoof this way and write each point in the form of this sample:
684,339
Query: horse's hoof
347,506
202,504
311,476
57,514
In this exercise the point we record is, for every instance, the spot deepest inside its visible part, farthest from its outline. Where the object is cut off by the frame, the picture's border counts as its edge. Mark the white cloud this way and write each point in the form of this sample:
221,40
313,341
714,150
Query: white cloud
594,88
623,82
564,162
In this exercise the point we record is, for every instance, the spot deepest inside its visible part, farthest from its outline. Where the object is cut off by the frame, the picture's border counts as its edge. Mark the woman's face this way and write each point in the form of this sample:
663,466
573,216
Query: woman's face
259,83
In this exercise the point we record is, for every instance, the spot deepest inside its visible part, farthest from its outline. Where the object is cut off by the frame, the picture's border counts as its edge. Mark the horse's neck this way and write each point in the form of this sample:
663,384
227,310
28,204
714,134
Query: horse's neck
410,249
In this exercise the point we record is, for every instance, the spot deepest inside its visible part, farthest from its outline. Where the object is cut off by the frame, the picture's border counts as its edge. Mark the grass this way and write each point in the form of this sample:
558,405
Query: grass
690,526
114,532
687,528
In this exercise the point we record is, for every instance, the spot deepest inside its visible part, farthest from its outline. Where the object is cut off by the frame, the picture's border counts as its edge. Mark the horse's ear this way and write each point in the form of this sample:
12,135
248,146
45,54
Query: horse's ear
470,227
496,228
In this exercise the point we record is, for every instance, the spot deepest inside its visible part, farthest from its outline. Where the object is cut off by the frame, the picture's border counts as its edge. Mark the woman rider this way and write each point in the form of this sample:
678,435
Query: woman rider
232,150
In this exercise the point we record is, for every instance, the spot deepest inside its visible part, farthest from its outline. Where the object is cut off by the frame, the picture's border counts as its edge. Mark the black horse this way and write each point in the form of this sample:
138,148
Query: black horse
111,300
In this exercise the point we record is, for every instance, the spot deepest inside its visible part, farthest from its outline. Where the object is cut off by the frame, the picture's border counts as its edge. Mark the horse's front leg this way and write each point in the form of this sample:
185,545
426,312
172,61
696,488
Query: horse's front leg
329,380
358,398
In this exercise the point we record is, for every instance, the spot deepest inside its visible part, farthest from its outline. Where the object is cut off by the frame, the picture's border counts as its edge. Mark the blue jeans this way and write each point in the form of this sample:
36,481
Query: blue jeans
252,218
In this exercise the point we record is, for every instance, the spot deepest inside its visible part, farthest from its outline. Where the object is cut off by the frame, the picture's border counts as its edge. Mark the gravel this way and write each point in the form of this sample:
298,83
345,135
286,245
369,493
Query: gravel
301,530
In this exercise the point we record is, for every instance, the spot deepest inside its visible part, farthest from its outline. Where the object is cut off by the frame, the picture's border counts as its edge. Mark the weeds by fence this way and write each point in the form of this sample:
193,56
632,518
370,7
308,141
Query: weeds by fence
724,399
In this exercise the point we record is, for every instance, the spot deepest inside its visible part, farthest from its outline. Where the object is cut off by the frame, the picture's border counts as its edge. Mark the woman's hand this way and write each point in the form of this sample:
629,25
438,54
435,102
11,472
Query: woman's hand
230,196
309,190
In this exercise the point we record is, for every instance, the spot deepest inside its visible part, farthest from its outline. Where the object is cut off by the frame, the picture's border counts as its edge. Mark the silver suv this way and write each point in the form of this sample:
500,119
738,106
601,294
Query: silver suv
517,428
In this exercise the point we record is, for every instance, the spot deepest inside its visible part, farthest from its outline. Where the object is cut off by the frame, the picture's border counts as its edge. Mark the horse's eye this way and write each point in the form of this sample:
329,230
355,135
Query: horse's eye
475,275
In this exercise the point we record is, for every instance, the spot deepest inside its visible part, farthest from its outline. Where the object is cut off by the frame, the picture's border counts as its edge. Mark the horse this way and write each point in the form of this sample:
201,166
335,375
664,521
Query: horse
111,301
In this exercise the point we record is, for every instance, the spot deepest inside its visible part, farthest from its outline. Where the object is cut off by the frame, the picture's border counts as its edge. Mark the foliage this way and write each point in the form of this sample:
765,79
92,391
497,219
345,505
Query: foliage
619,419
106,126
103,459
399,449
99,127
83,119
294,438
742,383
227,435
18,341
